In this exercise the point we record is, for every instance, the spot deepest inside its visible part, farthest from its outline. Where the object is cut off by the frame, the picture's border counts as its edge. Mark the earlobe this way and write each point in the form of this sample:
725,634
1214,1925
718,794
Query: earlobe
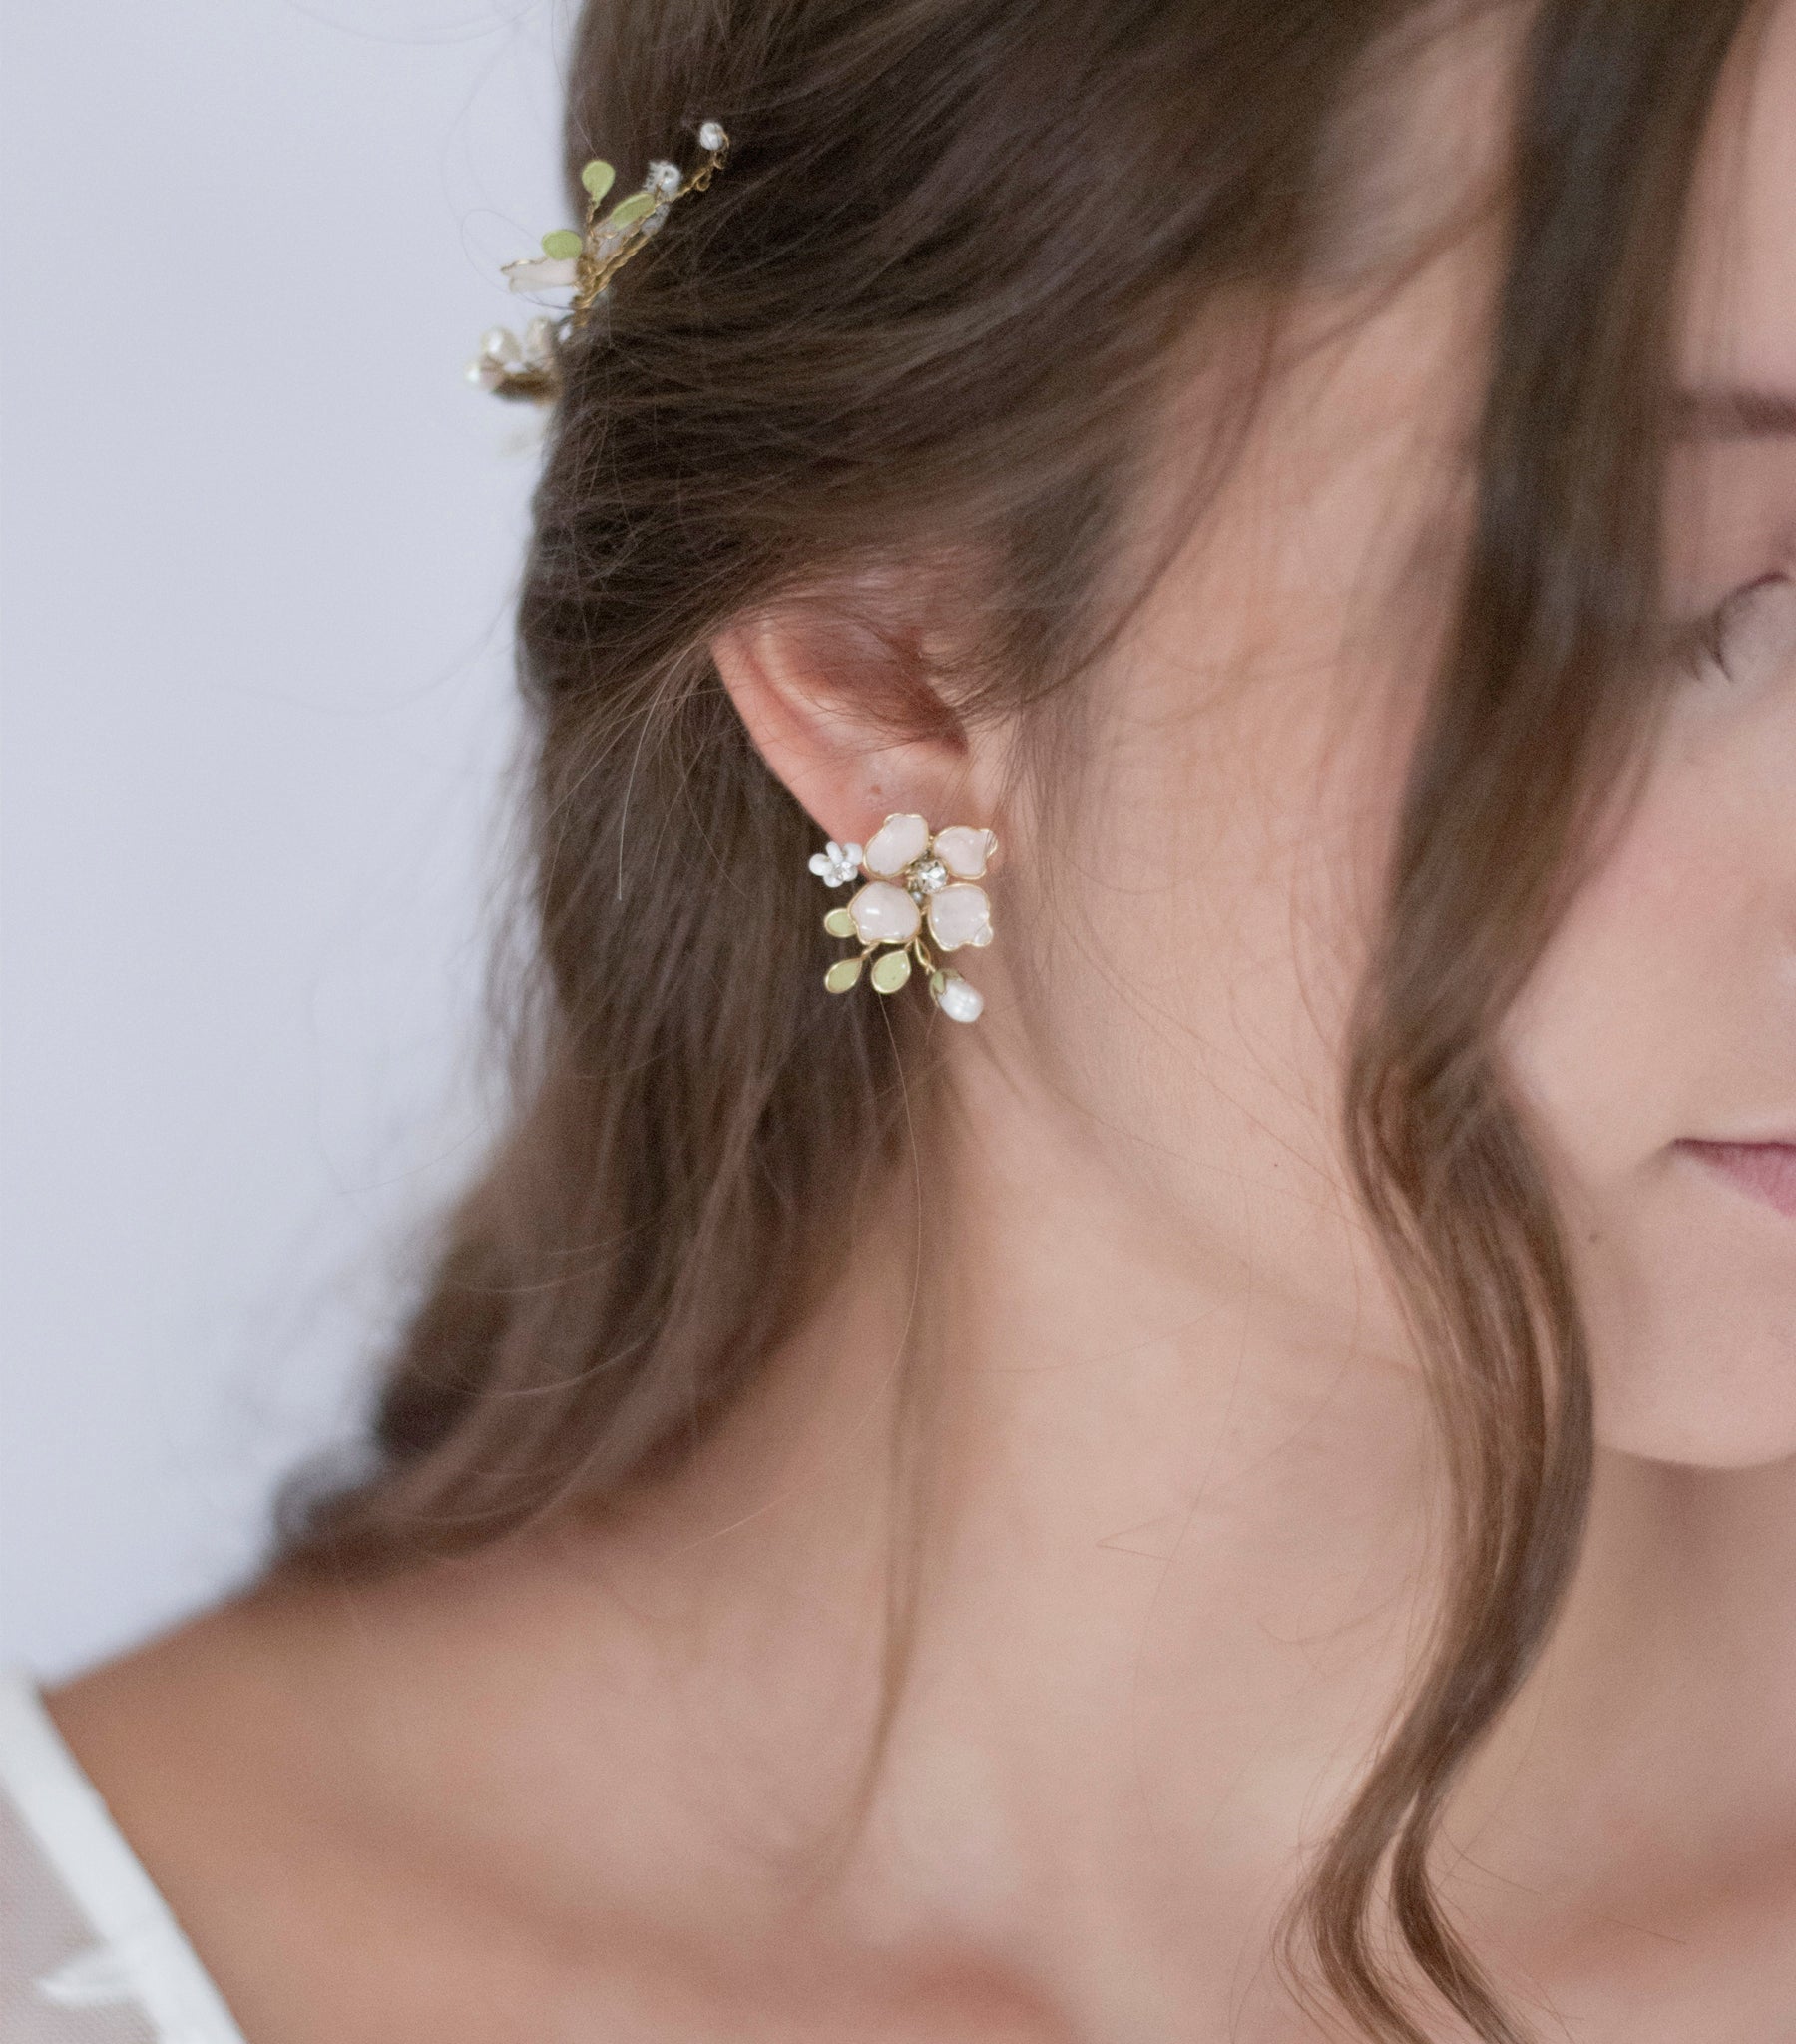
845,716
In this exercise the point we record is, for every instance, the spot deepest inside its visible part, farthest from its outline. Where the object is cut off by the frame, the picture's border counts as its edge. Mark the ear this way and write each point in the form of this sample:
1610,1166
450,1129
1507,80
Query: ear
847,708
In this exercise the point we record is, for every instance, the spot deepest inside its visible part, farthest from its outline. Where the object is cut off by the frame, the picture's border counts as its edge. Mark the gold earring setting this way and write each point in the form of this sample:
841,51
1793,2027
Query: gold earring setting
919,890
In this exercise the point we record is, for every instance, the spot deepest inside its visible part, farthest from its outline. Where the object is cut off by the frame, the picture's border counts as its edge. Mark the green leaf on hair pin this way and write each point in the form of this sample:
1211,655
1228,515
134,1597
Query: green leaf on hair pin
598,178
562,243
629,210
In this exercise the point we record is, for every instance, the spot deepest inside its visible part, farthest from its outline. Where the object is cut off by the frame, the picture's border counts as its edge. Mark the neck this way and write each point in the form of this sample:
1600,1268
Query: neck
1070,1675
1061,1690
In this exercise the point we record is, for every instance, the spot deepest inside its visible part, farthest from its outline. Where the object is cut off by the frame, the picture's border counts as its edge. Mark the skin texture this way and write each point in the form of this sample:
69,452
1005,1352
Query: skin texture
1170,1516
1663,1011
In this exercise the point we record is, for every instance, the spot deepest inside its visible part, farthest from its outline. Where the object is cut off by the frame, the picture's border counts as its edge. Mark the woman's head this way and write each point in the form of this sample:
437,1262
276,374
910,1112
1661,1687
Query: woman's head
1223,447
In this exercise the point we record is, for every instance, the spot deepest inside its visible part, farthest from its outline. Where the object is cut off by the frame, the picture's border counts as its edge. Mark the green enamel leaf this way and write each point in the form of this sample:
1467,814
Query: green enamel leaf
891,971
597,177
840,923
629,210
562,243
843,975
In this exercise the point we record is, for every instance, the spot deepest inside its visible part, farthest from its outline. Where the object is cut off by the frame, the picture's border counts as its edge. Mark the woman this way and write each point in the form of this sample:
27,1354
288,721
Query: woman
1248,1494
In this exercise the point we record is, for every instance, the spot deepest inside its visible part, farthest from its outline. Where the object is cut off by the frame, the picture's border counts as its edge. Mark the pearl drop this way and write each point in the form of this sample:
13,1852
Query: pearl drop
959,1001
712,135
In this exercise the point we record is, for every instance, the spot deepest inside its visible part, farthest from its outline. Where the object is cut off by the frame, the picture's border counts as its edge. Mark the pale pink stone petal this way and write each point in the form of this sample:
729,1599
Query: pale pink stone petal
965,852
960,916
897,841
884,914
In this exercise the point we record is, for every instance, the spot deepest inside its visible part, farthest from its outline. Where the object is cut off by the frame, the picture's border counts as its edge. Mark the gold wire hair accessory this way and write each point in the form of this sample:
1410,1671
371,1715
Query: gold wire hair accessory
585,263
916,881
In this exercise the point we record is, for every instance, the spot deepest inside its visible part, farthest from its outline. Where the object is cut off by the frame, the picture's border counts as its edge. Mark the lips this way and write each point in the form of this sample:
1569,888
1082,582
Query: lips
1764,1171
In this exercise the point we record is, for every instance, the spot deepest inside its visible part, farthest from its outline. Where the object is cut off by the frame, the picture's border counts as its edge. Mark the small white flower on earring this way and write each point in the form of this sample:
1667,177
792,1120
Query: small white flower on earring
837,864
914,879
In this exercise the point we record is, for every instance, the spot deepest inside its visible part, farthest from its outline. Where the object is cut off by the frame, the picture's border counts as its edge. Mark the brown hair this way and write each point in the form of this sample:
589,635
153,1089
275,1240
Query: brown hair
836,362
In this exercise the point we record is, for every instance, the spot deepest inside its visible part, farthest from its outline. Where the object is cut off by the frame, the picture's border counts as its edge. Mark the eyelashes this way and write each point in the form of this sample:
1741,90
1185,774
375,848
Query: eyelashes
1723,640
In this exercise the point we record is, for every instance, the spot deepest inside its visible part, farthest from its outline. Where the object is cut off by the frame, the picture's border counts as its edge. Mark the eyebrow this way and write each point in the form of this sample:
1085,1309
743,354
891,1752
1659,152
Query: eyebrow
1736,413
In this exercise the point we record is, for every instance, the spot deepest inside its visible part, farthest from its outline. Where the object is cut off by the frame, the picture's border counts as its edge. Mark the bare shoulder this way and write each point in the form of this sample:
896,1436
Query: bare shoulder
174,1732
379,1818
186,1735
215,1767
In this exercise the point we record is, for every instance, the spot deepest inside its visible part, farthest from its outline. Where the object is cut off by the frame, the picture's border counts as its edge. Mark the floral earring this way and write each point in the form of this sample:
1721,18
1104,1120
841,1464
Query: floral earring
916,881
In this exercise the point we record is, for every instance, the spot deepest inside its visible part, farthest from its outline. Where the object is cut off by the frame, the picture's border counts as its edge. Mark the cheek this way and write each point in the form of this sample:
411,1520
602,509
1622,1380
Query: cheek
1608,1038
1661,1012
1207,946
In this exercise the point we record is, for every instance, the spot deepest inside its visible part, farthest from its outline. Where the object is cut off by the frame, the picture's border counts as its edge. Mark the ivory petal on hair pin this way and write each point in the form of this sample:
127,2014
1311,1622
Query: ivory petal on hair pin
585,261
915,881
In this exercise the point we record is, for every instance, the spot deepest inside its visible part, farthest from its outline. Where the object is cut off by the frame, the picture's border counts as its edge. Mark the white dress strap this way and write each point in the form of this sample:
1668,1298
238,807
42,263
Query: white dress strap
79,1900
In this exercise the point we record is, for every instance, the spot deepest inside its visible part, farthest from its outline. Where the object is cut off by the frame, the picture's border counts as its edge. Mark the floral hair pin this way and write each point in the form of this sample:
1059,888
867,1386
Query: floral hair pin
585,261
915,882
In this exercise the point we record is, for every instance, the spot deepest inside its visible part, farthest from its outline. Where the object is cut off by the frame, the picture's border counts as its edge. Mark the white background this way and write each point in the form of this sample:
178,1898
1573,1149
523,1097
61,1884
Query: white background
258,550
